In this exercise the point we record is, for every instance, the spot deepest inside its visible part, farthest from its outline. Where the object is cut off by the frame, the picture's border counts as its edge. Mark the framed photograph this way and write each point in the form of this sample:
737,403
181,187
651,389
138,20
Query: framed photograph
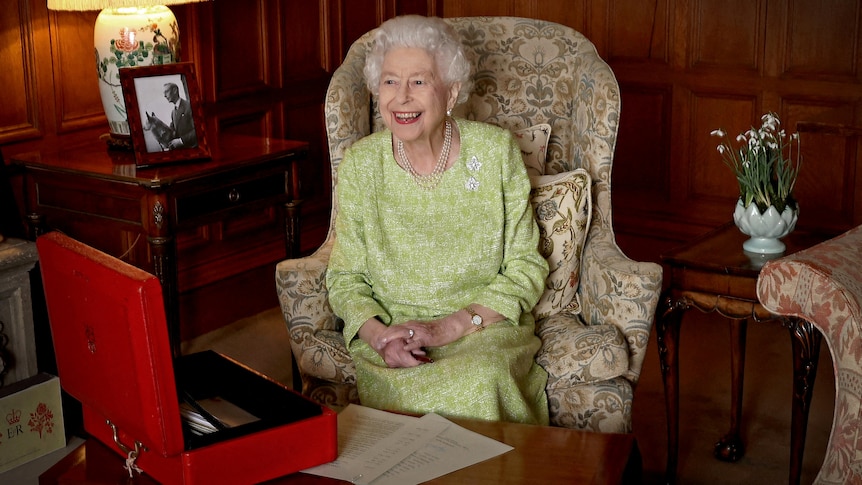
166,119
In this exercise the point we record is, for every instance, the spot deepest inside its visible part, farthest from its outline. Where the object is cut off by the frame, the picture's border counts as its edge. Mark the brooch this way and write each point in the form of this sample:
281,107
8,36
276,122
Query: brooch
473,165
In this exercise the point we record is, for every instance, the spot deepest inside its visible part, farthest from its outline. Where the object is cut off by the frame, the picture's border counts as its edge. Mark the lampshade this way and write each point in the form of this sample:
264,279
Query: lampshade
100,4
128,33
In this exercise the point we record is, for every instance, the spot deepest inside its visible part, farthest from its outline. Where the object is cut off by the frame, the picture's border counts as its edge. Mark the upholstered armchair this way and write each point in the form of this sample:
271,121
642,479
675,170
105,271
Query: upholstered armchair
823,286
527,73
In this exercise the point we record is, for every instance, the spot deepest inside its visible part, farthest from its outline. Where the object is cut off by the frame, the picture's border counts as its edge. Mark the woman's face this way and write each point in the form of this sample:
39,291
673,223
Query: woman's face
413,98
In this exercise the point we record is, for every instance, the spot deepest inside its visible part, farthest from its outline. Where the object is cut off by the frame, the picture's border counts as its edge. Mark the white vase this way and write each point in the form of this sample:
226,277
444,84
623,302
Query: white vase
765,229
129,37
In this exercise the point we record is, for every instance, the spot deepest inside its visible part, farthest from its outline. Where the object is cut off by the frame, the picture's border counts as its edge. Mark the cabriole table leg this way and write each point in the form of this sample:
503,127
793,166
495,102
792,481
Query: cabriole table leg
670,313
730,447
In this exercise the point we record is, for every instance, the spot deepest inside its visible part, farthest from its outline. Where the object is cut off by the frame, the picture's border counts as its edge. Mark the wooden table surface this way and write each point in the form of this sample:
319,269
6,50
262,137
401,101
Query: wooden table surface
542,454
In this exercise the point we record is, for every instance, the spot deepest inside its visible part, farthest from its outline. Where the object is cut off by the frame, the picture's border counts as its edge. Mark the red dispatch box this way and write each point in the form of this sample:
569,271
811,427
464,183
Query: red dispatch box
111,340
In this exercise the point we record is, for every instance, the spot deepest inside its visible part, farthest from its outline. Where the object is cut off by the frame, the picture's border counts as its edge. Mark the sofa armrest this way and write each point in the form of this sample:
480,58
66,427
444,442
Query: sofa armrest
817,283
619,291
823,285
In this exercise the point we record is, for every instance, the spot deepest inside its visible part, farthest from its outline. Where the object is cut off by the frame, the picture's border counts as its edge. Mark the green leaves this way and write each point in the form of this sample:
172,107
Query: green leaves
764,163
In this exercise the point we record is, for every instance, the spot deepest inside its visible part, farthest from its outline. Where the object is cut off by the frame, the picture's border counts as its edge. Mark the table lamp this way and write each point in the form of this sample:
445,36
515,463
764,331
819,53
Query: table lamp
127,33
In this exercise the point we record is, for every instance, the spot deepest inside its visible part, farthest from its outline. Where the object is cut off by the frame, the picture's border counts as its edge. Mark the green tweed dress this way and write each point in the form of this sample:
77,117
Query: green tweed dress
404,253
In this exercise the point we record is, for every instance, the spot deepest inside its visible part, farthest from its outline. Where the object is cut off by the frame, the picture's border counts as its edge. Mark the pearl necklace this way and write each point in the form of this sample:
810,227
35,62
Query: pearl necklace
430,181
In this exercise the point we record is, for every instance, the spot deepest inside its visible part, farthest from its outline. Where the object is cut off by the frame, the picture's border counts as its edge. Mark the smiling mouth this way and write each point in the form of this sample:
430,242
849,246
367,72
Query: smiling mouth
407,117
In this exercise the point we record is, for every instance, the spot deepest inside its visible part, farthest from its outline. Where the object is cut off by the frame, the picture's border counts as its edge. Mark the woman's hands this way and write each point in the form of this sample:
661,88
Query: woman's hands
403,345
392,343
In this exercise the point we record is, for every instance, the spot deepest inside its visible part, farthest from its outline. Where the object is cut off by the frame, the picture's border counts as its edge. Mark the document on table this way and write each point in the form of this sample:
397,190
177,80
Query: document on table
380,448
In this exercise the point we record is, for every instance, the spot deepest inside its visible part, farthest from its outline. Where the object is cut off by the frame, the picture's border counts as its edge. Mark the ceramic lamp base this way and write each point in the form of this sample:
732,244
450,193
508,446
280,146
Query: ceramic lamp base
130,37
117,142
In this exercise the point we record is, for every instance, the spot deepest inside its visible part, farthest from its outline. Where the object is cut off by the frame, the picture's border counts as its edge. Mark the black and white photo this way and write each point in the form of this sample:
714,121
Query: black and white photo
165,117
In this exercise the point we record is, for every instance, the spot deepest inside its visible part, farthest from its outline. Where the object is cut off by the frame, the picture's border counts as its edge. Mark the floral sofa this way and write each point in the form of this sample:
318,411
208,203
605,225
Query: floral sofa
547,84
823,285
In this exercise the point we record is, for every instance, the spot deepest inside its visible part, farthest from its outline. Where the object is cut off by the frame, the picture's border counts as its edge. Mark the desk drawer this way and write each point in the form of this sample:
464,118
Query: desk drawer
212,201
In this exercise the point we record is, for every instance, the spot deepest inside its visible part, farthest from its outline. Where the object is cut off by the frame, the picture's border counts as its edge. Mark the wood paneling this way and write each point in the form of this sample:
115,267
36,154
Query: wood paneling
644,40
707,174
685,67
468,8
239,36
574,13
728,34
644,121
826,47
22,33
76,89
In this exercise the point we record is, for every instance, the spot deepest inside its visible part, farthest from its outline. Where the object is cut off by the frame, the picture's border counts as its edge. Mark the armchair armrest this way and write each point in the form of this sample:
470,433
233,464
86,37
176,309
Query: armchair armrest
315,332
617,290
823,285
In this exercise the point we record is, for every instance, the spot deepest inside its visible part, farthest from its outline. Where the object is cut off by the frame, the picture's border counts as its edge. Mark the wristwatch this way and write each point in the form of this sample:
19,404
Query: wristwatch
475,319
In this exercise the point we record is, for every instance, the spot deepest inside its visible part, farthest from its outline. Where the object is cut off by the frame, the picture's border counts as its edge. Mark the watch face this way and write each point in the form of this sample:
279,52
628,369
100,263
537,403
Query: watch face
477,320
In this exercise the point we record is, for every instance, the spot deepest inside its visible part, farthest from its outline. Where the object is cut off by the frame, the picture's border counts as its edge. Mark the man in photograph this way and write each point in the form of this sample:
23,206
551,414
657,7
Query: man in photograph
182,123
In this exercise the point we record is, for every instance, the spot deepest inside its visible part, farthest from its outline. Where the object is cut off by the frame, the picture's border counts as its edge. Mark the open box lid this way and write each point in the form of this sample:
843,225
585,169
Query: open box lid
111,340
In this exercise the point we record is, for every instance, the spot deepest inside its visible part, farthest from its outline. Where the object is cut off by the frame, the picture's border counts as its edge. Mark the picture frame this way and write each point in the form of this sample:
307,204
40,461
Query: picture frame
165,114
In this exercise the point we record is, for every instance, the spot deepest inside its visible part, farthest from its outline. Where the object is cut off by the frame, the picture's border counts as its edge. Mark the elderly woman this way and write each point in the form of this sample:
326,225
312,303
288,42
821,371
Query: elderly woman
435,268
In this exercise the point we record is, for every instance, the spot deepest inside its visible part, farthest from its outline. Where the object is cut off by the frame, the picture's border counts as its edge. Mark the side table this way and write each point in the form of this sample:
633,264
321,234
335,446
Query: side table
714,274
192,224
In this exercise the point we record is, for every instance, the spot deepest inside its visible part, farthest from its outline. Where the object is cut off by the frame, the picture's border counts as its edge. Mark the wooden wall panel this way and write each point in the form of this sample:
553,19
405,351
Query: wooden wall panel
825,189
708,176
468,8
76,86
728,33
301,26
20,105
416,7
823,39
358,19
644,40
575,13
239,43
644,123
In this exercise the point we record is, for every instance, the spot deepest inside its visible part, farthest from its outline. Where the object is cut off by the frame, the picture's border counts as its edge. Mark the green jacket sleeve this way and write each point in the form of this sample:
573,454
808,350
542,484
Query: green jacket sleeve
350,292
521,281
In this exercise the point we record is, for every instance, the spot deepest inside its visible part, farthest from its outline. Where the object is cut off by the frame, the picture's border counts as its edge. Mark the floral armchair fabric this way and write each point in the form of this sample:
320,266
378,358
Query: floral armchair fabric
528,72
823,285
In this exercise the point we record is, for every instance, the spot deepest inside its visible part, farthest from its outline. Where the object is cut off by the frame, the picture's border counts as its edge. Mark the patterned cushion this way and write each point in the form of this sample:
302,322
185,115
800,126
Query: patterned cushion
534,147
563,210
573,353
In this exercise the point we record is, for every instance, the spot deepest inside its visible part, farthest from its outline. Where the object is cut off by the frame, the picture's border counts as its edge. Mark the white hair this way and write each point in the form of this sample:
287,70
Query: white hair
433,35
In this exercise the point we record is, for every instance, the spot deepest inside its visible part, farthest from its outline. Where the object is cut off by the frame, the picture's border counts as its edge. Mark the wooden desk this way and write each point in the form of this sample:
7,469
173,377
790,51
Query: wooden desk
714,274
191,224
542,454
